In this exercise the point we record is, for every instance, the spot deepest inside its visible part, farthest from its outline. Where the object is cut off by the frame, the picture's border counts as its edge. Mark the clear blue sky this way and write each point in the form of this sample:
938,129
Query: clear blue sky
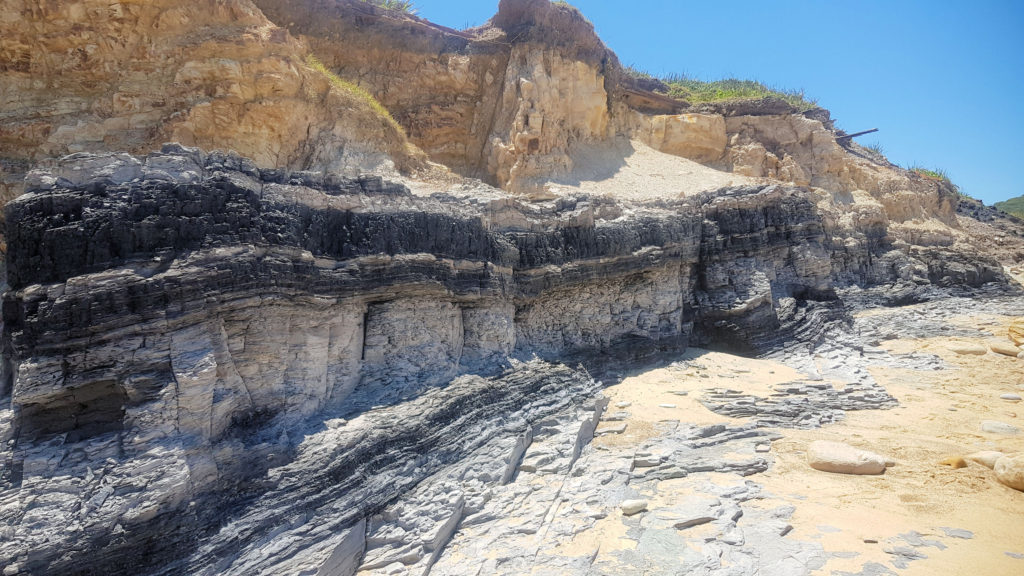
943,81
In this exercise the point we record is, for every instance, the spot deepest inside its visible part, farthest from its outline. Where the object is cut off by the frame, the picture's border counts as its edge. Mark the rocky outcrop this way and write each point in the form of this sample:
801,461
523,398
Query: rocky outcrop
224,364
126,76
506,102
517,102
522,101
175,322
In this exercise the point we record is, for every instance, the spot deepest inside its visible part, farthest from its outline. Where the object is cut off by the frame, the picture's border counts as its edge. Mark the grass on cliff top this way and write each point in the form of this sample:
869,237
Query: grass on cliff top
937,174
696,91
396,5
353,90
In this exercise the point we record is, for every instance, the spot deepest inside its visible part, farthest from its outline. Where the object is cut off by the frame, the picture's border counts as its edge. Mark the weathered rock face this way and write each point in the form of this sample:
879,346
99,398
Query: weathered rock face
520,101
127,76
176,323
513,102
505,102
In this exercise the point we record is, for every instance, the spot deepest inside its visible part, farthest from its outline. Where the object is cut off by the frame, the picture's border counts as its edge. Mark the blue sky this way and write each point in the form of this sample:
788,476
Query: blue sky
942,81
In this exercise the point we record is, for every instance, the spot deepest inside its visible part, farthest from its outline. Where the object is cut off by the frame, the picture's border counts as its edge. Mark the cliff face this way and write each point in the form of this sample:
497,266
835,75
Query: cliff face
217,363
128,76
173,320
506,102
514,102
519,101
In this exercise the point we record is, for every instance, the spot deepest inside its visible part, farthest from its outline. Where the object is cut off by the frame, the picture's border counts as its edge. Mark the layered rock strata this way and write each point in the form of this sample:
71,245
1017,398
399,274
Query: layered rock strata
96,76
177,323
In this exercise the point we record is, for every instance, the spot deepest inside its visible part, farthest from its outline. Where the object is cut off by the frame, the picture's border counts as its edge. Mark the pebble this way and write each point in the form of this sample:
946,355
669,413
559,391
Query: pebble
996,427
631,507
762,448
666,405
1011,397
623,404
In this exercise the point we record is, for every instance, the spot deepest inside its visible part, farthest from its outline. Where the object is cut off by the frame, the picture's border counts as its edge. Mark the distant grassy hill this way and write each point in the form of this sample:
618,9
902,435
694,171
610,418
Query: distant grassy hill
1013,206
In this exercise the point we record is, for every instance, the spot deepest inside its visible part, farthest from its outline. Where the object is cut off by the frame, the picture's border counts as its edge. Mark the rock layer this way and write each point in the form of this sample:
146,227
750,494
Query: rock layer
126,76
176,321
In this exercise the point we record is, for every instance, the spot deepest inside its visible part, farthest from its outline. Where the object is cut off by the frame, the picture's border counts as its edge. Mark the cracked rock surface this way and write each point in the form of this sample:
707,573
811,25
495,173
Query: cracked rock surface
209,368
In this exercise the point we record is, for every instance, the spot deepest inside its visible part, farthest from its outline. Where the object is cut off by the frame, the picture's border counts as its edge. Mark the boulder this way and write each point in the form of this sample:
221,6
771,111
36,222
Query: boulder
986,458
967,348
1010,470
1004,348
843,459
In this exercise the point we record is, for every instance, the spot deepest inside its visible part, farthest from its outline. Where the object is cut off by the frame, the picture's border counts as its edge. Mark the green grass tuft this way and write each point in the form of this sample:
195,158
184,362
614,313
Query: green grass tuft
875,147
937,174
396,5
353,90
696,91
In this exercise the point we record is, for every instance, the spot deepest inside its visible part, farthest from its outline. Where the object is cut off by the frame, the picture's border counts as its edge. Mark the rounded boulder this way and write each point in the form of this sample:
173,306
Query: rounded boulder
1010,471
843,459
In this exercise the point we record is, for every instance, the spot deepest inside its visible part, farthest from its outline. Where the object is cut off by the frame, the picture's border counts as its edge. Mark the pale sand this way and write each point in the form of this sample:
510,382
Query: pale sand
632,170
840,511
918,494
622,169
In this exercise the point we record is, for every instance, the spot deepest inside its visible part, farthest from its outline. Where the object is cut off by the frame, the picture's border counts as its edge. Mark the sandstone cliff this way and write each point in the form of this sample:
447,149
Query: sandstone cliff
127,76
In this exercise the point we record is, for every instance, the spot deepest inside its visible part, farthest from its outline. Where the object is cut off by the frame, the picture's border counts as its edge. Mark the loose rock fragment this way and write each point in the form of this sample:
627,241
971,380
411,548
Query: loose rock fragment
996,427
1010,471
967,348
1005,349
631,507
843,459
986,458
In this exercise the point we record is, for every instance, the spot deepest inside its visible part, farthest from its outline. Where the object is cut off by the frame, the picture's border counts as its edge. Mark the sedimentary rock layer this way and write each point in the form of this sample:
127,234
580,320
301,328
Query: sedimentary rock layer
177,323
